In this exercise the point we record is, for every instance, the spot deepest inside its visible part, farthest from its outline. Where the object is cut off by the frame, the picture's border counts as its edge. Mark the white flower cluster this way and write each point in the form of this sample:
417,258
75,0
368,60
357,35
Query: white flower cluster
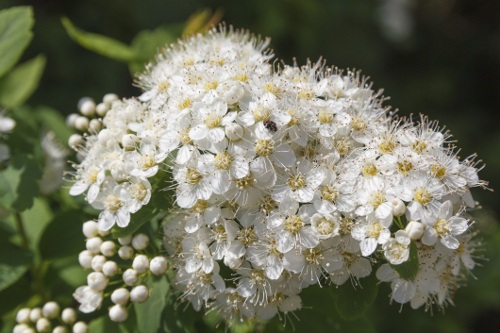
43,319
284,178
125,262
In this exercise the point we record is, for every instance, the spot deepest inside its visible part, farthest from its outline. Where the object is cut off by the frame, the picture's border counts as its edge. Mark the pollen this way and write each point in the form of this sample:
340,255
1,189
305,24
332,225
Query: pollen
423,196
442,227
386,146
306,94
343,146
200,206
184,136
246,236
185,104
438,170
325,226
358,124
244,182
241,77
329,193
162,86
377,198
272,88
369,169
138,191
146,161
293,224
346,225
295,119
404,167
264,147
419,146
193,177
297,181
223,160
373,229
213,120
267,204
211,85
112,203
313,256
261,114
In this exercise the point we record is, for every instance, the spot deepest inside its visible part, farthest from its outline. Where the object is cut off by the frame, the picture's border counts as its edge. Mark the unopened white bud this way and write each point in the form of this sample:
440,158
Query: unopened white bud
23,315
95,125
125,240
80,327
70,120
87,108
59,329
129,141
140,241
140,263
89,229
68,316
139,294
94,245
85,259
231,93
98,262
120,296
35,314
82,123
50,310
29,330
234,132
415,230
104,233
398,207
158,265
110,268
101,109
125,252
97,281
75,141
130,277
118,313
43,325
108,248
21,328
109,98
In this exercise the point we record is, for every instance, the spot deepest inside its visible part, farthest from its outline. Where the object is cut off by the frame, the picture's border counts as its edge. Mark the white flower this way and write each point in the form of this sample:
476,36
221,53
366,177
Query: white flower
89,299
446,227
396,250
370,233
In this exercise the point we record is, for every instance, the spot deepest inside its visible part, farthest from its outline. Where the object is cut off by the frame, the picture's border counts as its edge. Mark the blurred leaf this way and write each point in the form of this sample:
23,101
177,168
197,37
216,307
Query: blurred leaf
19,84
352,302
69,224
100,44
69,270
409,269
148,42
14,262
17,294
180,318
54,121
201,21
18,183
104,325
15,35
35,220
149,313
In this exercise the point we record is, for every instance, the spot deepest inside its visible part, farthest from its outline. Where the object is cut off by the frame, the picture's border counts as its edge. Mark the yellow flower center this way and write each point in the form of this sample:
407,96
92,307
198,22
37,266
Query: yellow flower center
293,224
296,181
193,176
438,170
423,196
264,147
223,160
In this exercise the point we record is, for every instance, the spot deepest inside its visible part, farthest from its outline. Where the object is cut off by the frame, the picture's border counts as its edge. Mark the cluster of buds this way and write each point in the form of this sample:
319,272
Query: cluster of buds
119,269
48,318
284,177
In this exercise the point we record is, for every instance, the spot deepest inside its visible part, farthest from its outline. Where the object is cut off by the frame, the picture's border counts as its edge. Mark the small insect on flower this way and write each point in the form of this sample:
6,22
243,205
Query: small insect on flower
270,125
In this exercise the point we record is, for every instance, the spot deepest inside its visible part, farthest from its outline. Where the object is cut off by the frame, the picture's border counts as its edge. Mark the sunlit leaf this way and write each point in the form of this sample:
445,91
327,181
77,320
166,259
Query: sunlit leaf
15,35
100,44
19,84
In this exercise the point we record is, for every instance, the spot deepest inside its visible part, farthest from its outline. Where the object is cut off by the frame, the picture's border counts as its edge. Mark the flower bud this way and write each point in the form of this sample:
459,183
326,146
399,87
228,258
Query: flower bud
50,310
94,245
68,316
108,248
415,230
110,268
87,107
21,328
101,109
85,259
109,98
158,265
59,329
95,125
140,263
234,132
97,281
80,327
140,241
23,315
82,123
231,93
125,240
130,277
70,120
75,141
35,314
129,141
125,252
139,294
120,296
97,263
118,313
89,229
43,325
398,207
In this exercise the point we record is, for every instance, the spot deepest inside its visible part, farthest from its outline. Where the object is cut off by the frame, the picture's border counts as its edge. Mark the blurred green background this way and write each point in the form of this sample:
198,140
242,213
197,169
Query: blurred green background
436,57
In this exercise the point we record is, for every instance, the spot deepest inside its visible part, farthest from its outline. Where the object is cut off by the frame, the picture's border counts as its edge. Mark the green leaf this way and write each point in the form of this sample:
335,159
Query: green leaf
69,224
18,85
149,313
14,262
15,35
18,183
409,269
352,302
100,44
137,220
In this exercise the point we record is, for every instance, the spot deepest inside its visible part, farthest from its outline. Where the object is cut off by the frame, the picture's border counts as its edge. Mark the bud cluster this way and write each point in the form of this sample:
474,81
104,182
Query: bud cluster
48,318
